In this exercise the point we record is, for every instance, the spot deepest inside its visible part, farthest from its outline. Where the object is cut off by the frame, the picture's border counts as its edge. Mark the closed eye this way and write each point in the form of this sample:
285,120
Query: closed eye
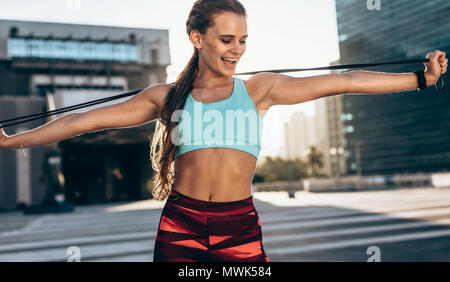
228,41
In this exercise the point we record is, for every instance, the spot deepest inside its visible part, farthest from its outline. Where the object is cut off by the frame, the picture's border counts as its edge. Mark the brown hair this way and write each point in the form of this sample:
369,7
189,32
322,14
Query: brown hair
162,151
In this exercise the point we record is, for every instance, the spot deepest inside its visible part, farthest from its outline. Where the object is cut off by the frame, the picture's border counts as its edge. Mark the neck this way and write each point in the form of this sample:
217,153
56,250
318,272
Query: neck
207,78
207,82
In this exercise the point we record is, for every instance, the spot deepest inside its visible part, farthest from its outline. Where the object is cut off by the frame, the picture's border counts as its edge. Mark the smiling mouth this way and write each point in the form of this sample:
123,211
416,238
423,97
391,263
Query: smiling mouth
230,62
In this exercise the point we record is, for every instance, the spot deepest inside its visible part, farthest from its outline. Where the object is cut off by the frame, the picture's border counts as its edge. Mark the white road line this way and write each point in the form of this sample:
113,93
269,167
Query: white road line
352,231
101,239
75,227
358,242
86,252
355,219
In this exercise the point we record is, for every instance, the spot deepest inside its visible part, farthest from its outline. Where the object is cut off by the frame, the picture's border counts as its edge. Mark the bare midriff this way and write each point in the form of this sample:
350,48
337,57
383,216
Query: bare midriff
215,174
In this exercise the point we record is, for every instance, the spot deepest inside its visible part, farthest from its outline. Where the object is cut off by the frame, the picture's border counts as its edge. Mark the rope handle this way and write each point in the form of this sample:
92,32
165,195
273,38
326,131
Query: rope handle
103,100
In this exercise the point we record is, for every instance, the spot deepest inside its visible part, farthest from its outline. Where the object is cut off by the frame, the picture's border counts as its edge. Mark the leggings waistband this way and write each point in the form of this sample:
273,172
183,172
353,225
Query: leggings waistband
207,208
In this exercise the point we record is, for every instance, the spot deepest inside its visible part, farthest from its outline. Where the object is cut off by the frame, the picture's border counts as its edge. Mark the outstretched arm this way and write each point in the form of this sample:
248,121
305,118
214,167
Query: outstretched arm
379,82
141,108
286,90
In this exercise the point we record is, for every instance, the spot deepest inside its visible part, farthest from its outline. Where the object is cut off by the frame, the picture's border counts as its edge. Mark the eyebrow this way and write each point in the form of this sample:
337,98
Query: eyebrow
230,35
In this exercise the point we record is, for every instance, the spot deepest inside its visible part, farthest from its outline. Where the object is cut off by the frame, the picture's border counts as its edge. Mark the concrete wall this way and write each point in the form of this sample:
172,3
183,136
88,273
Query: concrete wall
13,185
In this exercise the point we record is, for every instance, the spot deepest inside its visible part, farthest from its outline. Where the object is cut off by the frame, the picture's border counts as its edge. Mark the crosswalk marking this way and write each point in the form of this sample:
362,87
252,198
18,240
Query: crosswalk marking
77,241
357,230
356,219
360,242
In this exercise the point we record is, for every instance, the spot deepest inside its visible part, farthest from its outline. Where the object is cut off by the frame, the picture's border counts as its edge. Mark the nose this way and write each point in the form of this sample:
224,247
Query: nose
238,48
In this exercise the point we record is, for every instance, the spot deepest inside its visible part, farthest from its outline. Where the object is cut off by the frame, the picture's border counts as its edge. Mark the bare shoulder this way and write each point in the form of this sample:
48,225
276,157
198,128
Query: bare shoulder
158,93
259,86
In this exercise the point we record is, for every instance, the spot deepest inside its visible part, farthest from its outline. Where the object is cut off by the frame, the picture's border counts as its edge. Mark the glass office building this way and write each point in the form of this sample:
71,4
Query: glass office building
407,132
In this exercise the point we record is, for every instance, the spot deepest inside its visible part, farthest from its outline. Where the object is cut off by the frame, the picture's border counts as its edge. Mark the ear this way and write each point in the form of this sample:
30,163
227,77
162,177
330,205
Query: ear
196,38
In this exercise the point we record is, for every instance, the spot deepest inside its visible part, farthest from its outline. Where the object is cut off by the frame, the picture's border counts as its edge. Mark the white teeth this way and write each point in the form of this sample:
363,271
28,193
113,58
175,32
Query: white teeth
229,59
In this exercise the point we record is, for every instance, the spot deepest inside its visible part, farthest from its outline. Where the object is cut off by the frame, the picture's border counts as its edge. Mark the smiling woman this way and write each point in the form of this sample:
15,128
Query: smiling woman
217,30
209,214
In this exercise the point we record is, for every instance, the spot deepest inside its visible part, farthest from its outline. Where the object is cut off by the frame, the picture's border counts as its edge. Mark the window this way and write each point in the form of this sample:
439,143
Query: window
347,154
78,50
343,37
154,56
349,129
345,116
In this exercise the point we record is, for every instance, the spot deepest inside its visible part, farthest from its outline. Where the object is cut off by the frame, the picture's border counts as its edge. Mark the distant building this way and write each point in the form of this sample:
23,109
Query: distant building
300,134
330,133
397,132
46,66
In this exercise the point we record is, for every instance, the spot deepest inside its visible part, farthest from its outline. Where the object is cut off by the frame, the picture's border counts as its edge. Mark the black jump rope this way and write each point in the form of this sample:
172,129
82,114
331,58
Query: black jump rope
103,100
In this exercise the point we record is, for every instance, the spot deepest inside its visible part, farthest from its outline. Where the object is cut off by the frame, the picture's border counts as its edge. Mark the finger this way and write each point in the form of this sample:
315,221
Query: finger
437,54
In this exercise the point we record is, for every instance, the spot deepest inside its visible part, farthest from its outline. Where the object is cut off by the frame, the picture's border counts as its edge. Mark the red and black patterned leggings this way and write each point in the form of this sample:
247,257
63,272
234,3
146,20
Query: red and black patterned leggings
195,230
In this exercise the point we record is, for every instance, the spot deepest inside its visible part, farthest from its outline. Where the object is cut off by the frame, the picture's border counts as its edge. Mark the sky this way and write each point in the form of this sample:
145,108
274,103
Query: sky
282,34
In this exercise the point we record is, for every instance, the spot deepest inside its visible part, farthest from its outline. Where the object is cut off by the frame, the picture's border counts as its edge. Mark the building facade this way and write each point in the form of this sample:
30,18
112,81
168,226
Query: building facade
46,66
300,134
394,133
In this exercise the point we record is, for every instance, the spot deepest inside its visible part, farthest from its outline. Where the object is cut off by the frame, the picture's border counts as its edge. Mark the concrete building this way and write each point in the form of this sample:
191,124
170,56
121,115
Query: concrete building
46,66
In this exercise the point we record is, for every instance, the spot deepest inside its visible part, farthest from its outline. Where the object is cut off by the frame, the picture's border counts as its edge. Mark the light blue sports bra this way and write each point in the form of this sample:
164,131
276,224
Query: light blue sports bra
230,123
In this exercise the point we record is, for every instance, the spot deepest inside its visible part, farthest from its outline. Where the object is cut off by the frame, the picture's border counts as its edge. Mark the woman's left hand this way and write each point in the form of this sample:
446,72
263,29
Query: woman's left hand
436,66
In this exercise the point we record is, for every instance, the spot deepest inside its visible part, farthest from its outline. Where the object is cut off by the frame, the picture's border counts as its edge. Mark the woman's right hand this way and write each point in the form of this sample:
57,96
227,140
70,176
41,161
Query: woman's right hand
3,138
132,112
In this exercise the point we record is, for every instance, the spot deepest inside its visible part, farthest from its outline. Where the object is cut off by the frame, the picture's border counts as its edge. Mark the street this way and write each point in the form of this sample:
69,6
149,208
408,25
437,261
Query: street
386,225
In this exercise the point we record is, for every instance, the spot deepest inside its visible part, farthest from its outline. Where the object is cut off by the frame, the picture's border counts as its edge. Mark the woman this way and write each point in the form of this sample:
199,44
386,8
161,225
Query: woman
209,214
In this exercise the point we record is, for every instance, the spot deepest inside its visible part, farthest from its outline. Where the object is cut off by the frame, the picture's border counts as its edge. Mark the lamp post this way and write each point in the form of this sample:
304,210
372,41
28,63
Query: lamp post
291,192
358,144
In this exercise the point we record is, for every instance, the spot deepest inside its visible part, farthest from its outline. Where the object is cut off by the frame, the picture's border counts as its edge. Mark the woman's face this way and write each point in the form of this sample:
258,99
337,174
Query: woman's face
223,44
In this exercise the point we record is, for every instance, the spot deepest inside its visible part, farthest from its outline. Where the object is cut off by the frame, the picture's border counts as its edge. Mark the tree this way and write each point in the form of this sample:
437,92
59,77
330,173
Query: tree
276,169
315,161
